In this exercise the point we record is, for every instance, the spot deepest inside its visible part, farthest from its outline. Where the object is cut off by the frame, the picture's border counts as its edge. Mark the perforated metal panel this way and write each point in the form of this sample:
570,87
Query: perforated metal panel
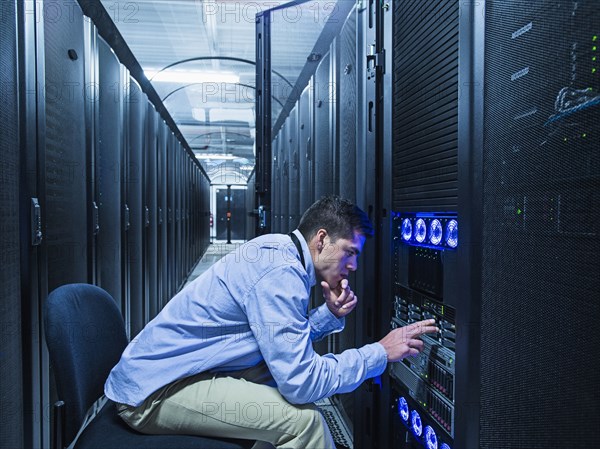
541,239
324,178
137,105
10,298
347,103
65,152
109,174
425,115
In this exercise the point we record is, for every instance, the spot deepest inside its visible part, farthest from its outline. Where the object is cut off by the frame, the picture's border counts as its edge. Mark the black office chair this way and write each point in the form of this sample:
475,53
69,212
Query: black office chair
86,336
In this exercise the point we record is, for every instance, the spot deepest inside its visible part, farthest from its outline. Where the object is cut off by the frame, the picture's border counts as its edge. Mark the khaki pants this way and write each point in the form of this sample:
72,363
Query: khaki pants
230,406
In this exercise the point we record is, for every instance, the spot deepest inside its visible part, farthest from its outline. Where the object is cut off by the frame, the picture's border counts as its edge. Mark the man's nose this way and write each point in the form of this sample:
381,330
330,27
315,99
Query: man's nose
352,264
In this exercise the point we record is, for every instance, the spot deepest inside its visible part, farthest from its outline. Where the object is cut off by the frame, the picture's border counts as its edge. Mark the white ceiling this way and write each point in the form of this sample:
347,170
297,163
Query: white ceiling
216,115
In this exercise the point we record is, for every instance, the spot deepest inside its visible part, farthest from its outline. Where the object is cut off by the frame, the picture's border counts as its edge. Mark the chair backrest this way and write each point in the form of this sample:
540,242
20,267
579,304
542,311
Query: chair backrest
86,336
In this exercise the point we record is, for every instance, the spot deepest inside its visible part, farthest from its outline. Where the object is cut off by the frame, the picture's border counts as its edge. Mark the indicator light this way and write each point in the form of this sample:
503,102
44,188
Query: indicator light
420,231
403,409
435,232
430,438
452,234
406,229
416,424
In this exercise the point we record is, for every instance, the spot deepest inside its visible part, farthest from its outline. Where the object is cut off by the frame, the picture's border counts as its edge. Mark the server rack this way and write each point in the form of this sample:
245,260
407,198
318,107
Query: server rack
516,107
80,187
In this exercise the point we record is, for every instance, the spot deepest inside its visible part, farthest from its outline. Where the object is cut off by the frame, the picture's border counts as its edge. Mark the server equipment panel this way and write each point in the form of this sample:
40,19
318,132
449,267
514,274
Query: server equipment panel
423,386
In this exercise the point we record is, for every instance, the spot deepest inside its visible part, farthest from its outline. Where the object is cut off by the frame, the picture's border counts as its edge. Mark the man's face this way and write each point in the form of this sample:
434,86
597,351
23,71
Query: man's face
335,260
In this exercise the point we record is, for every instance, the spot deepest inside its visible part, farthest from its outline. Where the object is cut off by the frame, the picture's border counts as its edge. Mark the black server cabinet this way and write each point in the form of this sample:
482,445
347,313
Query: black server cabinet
323,104
499,133
173,188
276,192
109,163
11,393
305,165
293,158
137,106
163,213
64,158
151,214
540,239
347,102
423,395
284,207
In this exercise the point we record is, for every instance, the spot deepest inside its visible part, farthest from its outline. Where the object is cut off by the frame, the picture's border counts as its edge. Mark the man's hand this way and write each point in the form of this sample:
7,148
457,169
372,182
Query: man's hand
404,341
340,301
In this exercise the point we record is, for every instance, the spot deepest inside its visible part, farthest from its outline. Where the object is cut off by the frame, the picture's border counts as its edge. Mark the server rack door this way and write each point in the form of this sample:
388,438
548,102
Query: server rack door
11,393
108,174
126,210
347,103
285,178
323,162
92,95
276,179
540,239
171,210
65,151
163,254
151,214
36,391
305,140
293,167
424,176
62,171
137,102
347,175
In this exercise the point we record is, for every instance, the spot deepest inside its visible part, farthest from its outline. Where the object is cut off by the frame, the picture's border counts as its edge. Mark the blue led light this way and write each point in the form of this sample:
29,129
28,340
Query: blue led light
452,234
403,409
420,231
435,232
416,424
406,229
430,438
444,446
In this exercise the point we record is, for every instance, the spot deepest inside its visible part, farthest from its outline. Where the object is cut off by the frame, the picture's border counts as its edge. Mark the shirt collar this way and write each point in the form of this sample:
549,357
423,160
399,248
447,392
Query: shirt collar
310,268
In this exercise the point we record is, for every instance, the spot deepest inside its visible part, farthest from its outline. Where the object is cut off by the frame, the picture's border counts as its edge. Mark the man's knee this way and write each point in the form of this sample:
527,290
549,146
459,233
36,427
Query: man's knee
306,418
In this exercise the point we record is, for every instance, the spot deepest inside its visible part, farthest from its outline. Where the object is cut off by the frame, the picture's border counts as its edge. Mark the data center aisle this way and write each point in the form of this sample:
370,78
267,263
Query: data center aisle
213,254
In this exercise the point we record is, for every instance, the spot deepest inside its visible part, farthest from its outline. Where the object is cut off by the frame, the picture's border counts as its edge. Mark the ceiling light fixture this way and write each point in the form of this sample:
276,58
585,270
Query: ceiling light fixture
224,157
191,76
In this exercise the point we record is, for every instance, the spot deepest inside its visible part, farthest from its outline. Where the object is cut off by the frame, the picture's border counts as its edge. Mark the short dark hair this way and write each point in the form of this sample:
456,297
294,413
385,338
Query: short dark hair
338,216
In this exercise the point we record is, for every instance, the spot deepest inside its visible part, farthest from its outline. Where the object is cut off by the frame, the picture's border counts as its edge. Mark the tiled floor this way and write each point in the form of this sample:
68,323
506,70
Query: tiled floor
213,254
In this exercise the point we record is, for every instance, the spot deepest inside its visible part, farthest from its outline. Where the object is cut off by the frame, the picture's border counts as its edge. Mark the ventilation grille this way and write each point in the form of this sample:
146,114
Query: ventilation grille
425,115
11,391
65,154
540,283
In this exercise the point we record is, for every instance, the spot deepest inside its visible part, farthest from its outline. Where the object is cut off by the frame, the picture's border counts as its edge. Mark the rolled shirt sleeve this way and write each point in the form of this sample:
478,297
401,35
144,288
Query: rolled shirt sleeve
323,323
276,311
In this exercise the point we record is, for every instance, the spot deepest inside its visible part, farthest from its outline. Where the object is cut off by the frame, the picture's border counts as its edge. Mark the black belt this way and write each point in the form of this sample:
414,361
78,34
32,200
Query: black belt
299,247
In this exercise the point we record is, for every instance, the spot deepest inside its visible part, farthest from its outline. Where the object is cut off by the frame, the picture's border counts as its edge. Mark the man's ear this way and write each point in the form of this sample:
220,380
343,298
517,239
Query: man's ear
320,237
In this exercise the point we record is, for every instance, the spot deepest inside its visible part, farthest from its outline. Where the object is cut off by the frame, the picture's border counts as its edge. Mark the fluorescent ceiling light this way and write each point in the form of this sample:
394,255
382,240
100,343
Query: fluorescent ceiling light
191,76
225,157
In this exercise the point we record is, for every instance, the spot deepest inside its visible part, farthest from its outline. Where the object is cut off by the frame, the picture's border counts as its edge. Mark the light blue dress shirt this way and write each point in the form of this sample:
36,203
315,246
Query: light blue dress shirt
248,307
